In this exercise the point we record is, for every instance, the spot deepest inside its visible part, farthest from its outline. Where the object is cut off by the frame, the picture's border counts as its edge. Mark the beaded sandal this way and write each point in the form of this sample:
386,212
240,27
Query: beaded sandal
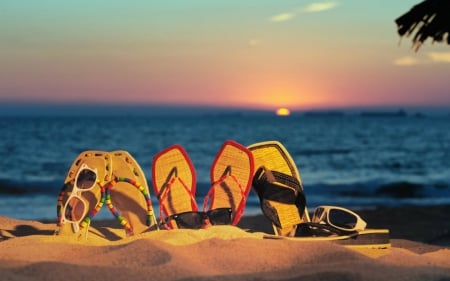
83,191
128,196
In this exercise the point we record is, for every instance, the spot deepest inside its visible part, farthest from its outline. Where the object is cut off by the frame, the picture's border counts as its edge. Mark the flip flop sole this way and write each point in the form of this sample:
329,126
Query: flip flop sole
174,181
231,176
97,160
129,192
274,156
366,238
372,242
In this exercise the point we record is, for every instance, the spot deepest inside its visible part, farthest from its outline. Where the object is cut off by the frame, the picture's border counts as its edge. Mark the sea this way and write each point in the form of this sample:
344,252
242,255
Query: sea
356,160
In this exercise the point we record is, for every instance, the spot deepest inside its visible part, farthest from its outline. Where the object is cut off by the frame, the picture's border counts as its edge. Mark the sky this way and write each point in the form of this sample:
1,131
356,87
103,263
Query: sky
254,54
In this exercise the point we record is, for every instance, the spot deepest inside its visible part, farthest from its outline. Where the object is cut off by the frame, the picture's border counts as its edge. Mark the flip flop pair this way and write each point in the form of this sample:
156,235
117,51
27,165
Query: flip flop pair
174,182
278,185
99,177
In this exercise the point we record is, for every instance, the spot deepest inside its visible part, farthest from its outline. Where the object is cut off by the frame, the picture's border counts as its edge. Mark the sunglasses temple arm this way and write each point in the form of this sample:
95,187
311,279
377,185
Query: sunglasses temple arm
360,224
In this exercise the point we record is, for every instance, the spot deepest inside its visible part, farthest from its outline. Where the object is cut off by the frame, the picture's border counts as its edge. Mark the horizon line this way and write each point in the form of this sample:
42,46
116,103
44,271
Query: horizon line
13,108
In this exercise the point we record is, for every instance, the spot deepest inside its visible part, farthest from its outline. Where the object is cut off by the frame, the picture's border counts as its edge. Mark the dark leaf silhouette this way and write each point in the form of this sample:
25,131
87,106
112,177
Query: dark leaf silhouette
428,19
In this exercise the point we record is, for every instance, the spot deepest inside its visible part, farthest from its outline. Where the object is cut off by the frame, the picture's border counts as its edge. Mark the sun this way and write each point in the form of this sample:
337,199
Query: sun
283,111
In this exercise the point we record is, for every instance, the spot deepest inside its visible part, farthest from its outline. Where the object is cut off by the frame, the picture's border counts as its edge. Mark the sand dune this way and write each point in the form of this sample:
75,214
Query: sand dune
29,251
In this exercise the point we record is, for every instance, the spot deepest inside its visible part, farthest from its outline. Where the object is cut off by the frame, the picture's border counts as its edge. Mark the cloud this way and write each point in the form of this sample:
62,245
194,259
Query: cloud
406,61
282,17
311,8
432,57
319,7
439,56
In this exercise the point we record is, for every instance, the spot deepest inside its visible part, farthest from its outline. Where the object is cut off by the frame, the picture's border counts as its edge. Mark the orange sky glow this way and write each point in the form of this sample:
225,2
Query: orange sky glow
256,54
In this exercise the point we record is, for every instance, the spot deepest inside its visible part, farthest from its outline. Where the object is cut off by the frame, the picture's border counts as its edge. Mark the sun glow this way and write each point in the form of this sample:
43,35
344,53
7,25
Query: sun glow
283,111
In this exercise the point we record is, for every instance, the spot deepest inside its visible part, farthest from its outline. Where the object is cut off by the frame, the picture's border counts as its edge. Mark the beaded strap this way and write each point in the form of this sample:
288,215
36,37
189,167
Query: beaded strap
106,197
87,220
128,227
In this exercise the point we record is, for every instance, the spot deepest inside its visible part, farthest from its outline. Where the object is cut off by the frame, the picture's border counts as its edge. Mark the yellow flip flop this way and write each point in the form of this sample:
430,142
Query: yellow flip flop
371,242
128,195
174,182
279,187
231,178
82,194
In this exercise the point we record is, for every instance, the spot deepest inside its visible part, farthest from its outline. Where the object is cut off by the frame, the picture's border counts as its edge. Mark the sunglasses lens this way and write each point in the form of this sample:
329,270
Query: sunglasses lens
192,220
342,219
220,216
74,210
86,179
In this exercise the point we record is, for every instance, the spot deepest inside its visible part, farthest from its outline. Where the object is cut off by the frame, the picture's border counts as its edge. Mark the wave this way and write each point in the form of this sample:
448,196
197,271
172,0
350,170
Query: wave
397,189
38,200
311,152
26,188
394,189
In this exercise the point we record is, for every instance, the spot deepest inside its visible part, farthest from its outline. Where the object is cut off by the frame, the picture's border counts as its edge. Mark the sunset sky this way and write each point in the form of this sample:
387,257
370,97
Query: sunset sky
253,54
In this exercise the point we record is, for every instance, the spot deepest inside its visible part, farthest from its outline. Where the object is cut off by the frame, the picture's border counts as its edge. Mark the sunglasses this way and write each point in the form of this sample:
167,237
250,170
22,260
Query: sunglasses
339,218
75,207
196,220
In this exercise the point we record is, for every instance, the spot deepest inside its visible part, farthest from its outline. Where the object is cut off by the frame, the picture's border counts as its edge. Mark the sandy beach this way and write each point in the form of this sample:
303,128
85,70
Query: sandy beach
419,250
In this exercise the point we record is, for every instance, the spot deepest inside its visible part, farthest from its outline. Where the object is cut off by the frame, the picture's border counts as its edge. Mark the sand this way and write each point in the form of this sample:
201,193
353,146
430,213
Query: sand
419,251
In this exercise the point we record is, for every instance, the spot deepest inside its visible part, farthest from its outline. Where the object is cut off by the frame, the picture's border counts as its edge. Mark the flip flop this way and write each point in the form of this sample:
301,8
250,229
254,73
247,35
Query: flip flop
231,178
127,194
371,242
279,187
174,183
82,192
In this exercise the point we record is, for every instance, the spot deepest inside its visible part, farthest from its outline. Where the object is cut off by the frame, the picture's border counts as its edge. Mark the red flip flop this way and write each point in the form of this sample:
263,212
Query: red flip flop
174,182
231,177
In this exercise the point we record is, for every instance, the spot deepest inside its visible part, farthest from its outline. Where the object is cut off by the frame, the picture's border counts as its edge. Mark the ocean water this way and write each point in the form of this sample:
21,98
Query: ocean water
349,160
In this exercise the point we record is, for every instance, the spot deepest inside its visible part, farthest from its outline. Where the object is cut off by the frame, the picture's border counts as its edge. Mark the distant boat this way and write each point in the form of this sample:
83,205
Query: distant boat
324,113
399,113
